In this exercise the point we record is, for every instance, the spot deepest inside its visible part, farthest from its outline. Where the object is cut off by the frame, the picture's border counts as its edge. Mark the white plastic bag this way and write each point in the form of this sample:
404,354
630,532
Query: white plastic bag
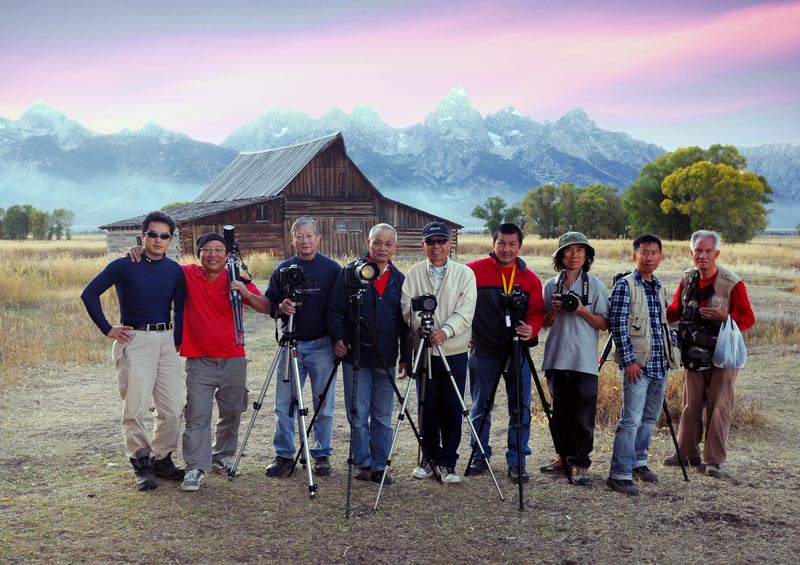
730,352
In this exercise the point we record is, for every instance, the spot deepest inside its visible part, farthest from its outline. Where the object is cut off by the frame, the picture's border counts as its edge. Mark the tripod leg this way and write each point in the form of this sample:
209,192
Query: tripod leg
256,408
668,417
465,414
322,397
301,421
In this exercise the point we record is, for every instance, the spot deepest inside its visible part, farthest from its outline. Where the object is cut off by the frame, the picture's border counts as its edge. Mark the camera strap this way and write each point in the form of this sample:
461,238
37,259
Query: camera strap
584,286
509,286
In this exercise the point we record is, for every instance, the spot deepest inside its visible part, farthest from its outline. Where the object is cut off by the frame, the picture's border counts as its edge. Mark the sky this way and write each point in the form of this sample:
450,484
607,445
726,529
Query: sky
674,73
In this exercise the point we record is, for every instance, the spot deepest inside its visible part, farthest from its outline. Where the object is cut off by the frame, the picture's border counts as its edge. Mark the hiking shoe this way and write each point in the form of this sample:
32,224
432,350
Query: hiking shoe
322,466
714,470
166,469
514,474
645,474
581,476
279,467
624,486
424,471
193,480
363,474
478,466
555,466
143,469
224,465
672,461
449,475
378,475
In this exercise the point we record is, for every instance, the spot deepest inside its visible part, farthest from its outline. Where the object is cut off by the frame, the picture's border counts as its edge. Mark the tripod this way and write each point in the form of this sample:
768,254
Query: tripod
601,361
424,347
287,351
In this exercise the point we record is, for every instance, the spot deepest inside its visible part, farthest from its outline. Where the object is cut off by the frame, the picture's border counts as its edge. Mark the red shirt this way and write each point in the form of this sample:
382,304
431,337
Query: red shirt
207,316
739,306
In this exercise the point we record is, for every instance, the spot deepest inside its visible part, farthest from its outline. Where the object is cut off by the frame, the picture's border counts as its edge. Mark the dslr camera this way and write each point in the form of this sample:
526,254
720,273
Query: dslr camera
425,304
569,301
515,303
360,274
291,277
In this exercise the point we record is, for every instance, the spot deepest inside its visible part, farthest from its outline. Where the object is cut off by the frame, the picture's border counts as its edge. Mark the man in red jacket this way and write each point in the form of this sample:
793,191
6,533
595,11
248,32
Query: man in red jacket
707,295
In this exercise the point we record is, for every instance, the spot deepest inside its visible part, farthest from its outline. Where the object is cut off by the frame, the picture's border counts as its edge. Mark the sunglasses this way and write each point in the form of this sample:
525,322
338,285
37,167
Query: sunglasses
154,235
436,241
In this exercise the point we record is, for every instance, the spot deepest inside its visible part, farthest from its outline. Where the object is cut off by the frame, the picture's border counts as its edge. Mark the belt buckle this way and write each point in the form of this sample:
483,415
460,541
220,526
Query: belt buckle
161,327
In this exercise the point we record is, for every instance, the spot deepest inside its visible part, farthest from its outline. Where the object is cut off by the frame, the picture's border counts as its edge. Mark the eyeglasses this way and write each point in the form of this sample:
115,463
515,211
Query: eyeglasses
438,241
213,250
154,235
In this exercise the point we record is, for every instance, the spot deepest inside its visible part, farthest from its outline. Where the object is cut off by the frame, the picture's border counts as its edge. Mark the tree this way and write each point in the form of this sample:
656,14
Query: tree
16,221
494,212
61,221
717,197
1,221
39,221
540,206
172,205
599,212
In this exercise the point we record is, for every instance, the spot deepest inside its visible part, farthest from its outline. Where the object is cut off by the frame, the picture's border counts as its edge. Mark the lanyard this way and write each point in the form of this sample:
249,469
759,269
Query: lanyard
507,288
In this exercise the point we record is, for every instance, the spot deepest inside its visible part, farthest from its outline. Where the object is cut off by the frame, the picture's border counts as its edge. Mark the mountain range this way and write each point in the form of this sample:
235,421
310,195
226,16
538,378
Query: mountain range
446,164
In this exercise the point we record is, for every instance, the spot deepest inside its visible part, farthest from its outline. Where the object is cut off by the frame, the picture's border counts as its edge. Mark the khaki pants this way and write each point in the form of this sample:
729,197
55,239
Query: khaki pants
149,368
711,389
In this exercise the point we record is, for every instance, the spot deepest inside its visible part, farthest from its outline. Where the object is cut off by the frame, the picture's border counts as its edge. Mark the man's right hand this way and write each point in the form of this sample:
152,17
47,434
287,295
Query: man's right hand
135,253
633,373
122,334
287,308
340,349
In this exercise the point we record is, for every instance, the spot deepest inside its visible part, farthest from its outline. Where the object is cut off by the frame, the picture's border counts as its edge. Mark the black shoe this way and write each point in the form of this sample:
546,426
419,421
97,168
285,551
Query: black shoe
514,474
322,466
378,475
672,461
645,474
143,468
166,469
478,466
279,466
553,467
624,486
363,474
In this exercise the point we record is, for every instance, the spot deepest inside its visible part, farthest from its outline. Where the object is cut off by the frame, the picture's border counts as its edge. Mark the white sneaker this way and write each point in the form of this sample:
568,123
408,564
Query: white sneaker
193,480
424,471
449,475
224,466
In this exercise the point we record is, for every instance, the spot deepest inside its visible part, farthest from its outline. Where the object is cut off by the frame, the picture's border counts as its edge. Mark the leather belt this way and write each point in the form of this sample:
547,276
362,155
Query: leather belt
314,338
159,327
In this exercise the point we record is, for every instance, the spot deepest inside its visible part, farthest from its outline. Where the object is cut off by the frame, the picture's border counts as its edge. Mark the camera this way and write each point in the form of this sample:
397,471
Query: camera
291,277
425,303
360,274
569,301
228,232
515,303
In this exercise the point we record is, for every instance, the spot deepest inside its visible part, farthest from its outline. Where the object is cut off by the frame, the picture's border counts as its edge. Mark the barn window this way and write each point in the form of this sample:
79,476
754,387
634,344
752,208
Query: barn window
348,225
341,225
355,225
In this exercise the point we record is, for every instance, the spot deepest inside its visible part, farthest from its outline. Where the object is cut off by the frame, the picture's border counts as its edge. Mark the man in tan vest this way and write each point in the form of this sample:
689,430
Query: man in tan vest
706,296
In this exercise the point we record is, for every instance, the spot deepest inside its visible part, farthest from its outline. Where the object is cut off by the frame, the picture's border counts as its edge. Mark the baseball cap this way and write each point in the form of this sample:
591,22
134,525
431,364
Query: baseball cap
435,228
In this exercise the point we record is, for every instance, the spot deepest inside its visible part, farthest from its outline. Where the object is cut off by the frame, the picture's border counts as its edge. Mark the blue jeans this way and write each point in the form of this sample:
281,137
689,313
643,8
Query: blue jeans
314,359
372,422
482,373
641,406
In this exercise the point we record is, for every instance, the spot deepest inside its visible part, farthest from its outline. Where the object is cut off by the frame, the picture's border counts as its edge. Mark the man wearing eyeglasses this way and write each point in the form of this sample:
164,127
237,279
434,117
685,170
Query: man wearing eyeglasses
453,285
151,295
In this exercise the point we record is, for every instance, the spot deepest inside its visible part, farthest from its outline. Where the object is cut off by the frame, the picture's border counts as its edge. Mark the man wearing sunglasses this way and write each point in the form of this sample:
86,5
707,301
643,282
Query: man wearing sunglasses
151,295
453,285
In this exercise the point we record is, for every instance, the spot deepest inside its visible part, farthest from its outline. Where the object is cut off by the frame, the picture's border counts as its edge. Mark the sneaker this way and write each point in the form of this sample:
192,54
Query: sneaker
224,466
143,469
363,474
624,486
279,466
378,475
449,475
478,466
193,480
514,474
581,476
555,466
322,466
424,471
166,469
645,474
714,470
672,461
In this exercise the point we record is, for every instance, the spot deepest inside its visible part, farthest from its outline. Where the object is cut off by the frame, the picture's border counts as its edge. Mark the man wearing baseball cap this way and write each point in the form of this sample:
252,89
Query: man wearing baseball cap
453,285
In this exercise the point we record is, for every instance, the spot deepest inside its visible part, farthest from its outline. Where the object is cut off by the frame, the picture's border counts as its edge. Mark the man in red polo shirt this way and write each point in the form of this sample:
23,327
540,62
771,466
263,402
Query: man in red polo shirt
215,365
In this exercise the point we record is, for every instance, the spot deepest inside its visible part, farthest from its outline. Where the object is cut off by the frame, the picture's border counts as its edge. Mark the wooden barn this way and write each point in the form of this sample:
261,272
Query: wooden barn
261,194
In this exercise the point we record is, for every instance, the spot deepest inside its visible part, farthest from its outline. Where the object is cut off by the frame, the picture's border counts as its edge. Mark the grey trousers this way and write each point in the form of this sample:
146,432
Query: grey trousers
207,378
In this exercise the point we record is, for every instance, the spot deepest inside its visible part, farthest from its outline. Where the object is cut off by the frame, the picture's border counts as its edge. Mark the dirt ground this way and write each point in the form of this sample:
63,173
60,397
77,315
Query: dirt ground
67,494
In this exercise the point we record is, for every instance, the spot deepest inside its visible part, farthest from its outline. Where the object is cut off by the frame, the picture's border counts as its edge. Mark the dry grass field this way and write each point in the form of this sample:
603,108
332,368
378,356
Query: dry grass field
67,494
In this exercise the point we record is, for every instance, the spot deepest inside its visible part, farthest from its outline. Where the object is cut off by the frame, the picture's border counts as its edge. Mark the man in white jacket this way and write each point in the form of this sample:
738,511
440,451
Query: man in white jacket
453,286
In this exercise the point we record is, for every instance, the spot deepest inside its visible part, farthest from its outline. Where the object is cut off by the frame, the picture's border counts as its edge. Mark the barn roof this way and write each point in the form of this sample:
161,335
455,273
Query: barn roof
264,174
189,211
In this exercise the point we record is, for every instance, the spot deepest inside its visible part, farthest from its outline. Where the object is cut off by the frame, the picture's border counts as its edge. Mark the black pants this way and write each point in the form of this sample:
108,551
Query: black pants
441,408
574,411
